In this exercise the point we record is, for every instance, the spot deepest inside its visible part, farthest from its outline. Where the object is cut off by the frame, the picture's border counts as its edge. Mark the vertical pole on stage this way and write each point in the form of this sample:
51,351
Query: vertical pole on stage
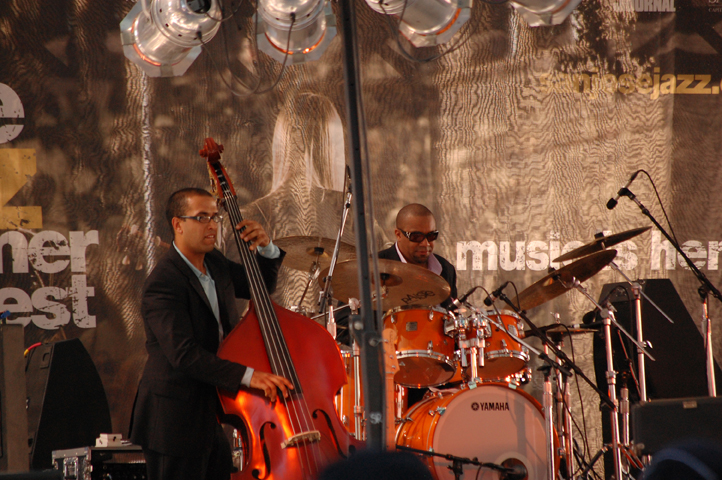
362,326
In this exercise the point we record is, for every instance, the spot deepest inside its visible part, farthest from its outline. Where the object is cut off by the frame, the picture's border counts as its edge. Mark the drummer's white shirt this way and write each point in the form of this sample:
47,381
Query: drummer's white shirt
434,264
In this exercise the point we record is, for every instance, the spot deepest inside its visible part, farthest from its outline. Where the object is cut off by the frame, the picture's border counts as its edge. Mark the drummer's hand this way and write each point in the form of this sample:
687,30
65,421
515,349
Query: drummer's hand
253,233
270,384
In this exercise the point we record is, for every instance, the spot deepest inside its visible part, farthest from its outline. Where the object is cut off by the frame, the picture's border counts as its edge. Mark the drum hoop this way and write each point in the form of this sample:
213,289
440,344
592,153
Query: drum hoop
506,354
425,353
433,308
503,313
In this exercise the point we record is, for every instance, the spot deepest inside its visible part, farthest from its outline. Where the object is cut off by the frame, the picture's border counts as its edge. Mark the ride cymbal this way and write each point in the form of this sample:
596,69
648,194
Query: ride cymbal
600,243
559,281
301,251
401,283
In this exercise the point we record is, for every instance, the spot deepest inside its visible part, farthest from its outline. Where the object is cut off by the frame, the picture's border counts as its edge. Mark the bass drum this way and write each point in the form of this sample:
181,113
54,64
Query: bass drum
492,422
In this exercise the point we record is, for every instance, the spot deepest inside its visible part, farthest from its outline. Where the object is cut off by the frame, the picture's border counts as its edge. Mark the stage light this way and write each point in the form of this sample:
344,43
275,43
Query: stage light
426,23
295,31
163,37
539,13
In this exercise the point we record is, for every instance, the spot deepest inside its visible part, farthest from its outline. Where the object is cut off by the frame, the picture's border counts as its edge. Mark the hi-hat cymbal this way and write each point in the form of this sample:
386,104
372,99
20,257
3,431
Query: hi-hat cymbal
402,284
301,252
600,243
559,281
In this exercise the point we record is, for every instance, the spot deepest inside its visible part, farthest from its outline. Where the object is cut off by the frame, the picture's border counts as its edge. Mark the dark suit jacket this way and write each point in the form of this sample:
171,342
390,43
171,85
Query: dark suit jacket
176,404
448,272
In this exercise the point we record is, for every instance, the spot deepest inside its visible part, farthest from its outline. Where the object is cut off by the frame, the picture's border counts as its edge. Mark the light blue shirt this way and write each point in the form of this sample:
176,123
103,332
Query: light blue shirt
270,251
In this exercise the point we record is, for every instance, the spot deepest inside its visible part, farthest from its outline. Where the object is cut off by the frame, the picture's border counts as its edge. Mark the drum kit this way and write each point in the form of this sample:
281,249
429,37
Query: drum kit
472,361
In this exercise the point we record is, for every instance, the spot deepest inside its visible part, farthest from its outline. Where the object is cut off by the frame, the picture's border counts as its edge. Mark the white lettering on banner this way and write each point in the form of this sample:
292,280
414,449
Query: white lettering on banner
535,255
44,252
10,107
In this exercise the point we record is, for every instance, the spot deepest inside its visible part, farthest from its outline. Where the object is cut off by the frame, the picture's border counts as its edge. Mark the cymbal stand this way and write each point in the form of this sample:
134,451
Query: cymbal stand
707,286
707,329
564,417
607,314
638,293
567,362
547,408
326,295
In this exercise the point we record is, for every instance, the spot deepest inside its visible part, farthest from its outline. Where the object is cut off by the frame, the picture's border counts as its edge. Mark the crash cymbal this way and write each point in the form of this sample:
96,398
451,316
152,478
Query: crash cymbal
301,252
402,284
600,243
553,284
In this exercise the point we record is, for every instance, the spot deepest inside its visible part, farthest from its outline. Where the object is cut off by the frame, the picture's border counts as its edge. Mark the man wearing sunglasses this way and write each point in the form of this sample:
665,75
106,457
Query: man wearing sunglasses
188,307
415,235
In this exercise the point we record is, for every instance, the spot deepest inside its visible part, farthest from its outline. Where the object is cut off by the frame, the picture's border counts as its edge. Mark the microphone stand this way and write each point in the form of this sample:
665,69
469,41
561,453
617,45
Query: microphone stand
459,462
326,296
705,289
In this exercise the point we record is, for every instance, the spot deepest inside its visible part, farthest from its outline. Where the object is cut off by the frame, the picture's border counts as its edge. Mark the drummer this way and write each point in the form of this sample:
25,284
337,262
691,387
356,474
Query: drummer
415,235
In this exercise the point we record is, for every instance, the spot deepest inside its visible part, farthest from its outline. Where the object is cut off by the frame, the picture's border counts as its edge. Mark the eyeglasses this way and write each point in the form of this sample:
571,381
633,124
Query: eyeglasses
418,237
204,218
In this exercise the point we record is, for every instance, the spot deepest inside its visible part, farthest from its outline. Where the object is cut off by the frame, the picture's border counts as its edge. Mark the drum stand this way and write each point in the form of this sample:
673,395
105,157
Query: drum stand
607,314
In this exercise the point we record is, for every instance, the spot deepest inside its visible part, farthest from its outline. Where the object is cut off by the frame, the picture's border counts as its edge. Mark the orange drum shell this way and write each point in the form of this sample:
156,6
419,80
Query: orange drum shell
503,356
415,327
475,437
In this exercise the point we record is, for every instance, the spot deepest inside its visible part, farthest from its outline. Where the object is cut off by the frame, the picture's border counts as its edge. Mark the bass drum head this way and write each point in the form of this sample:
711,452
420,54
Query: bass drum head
494,423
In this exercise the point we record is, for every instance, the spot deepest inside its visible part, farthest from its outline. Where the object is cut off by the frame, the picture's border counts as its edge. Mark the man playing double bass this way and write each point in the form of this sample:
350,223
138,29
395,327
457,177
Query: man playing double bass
188,305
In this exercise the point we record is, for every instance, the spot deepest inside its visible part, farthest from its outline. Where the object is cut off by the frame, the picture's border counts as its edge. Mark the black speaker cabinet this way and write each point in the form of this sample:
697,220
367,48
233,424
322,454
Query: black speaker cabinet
680,368
67,406
658,423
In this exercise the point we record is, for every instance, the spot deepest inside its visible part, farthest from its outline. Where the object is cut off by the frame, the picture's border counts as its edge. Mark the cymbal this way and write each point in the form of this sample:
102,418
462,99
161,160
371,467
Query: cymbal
551,286
561,329
402,284
301,252
600,243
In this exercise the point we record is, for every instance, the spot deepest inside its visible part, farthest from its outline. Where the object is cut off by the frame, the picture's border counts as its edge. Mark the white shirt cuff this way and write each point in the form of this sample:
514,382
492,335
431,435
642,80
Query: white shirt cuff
270,251
246,380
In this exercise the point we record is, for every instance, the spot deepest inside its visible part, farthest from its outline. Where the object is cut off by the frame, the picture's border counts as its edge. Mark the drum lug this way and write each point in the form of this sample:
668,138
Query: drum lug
431,315
430,347
393,319
438,411
503,344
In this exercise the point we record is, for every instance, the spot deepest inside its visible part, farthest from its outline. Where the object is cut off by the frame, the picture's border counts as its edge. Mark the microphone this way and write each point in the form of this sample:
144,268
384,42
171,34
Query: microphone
517,471
495,294
613,201
460,301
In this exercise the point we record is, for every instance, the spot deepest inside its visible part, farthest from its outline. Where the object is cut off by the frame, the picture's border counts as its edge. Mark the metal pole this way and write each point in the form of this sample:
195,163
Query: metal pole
363,326
612,383
642,376
707,329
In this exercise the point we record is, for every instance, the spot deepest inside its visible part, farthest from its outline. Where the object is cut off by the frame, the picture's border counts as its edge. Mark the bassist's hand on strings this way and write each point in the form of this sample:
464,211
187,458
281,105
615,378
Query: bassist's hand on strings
270,384
254,233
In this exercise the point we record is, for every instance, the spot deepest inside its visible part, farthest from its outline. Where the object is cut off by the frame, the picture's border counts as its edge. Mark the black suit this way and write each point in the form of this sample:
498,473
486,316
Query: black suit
176,404
448,272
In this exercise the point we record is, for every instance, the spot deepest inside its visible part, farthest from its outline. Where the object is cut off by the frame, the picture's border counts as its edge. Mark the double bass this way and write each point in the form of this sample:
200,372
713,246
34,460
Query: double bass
296,437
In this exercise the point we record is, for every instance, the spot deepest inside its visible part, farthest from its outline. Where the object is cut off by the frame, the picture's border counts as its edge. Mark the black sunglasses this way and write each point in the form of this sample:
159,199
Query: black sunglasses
418,237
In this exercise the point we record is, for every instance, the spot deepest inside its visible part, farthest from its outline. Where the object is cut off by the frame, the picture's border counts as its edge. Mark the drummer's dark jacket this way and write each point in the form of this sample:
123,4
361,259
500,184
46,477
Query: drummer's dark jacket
448,272
176,403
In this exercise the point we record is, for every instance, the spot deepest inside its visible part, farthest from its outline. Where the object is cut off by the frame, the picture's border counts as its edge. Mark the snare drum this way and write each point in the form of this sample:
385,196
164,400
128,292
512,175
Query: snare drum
424,351
492,423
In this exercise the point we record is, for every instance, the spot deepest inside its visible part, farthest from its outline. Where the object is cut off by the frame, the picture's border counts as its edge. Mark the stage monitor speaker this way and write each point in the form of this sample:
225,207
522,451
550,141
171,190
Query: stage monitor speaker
679,369
67,406
659,423
13,417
